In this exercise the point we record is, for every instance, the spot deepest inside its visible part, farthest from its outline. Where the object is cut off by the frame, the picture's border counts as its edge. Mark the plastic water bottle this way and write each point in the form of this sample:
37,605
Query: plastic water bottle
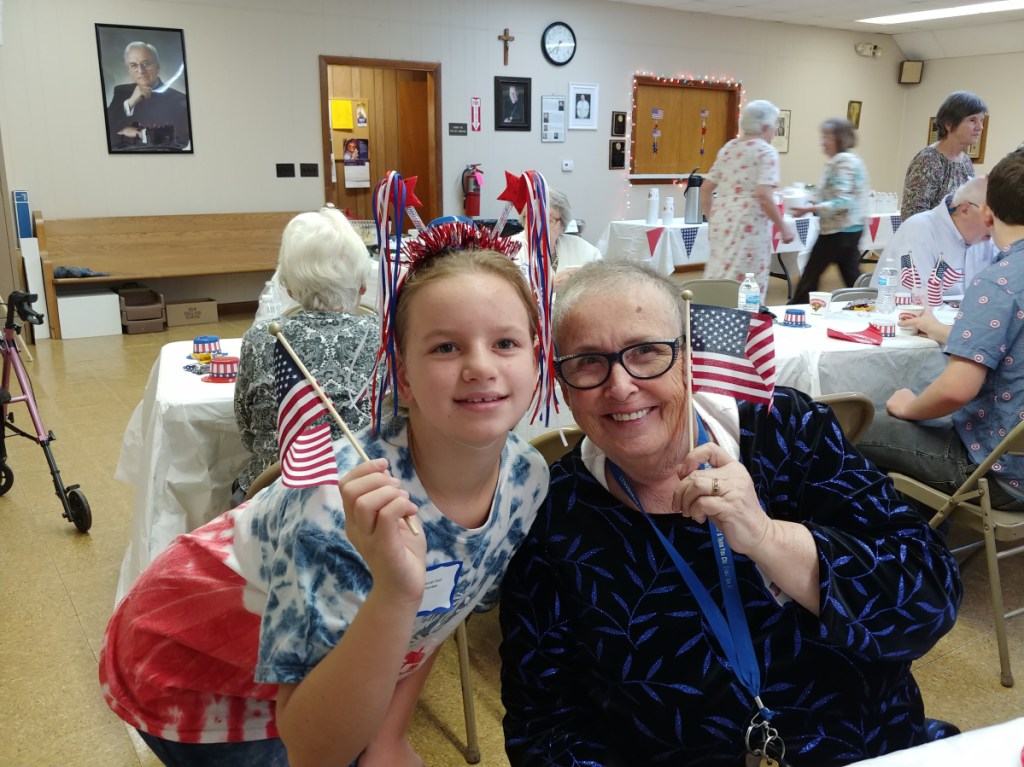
749,298
887,279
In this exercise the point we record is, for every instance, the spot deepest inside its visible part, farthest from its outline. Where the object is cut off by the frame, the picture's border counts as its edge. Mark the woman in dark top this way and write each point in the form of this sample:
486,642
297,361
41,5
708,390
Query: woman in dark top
609,655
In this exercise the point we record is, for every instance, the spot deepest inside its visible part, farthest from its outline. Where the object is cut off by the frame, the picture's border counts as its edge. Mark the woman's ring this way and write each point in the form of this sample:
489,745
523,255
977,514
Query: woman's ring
714,486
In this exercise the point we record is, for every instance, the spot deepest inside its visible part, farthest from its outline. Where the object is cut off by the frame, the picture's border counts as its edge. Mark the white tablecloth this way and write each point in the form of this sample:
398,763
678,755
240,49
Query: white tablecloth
681,244
808,360
996,746
181,451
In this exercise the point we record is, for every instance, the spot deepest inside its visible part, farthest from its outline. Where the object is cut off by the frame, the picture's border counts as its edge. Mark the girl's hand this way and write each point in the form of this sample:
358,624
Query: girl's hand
723,494
375,510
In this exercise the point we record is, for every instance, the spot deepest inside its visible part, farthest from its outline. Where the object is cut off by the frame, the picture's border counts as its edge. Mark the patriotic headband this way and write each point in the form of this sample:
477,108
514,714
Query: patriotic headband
394,196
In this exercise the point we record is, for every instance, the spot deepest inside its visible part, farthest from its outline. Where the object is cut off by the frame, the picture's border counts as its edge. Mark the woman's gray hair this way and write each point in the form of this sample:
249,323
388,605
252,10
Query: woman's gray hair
323,262
958,106
842,129
607,278
559,203
758,115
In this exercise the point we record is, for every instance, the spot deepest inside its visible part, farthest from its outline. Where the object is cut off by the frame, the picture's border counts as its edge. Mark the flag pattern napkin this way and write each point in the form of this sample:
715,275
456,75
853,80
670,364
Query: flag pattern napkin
732,353
307,453
870,335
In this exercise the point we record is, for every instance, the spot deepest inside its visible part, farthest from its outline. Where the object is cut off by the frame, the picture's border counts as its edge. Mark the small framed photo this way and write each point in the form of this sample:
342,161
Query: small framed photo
552,119
145,89
512,103
853,113
618,123
781,140
582,106
616,154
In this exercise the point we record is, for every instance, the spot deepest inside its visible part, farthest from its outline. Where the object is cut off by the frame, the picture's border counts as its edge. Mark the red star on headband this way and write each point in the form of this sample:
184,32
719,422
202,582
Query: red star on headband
411,200
515,191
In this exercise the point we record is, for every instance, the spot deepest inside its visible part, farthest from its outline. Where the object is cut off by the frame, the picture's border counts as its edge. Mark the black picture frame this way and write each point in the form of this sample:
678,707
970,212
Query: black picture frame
618,123
617,154
509,113
144,112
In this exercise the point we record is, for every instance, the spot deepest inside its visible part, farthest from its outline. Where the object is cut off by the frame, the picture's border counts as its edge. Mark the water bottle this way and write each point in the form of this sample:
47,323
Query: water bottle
887,279
749,294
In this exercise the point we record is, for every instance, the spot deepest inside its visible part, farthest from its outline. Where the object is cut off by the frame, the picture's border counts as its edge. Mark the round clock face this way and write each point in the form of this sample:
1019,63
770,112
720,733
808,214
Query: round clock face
558,43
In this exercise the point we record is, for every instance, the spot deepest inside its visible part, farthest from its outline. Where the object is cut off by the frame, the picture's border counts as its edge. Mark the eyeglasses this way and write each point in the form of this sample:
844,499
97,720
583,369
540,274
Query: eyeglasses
136,66
645,360
552,220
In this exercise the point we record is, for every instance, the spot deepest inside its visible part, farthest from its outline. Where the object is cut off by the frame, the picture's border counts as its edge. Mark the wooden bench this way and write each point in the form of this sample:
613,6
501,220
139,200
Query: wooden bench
135,248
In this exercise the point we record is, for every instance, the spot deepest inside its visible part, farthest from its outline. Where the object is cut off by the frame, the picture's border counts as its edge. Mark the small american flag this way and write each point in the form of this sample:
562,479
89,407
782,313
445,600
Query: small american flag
942,278
733,353
909,277
657,114
307,453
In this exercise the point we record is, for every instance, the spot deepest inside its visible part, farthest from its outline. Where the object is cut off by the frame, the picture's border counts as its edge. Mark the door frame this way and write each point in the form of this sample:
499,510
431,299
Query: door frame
432,68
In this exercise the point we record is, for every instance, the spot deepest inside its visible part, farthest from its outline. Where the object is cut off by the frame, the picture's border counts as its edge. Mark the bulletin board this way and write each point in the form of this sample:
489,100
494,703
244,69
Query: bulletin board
680,110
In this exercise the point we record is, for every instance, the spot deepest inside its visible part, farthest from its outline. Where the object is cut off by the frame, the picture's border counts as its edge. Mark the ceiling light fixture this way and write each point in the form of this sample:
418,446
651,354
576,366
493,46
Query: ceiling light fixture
947,13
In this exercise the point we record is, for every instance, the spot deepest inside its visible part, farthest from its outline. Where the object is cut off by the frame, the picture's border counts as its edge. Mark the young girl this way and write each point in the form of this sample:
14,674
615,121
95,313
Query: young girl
294,631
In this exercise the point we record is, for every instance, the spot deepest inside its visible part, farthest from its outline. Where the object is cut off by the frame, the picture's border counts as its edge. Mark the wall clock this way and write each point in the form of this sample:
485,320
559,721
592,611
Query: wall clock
558,43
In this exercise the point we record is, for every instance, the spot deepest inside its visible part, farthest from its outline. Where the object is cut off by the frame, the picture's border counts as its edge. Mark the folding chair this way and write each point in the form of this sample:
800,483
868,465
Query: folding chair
863,281
550,443
971,505
712,292
854,294
853,410
472,754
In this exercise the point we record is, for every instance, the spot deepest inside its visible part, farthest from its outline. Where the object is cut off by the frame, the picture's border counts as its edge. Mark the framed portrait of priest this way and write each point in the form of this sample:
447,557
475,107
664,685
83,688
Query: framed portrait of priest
145,89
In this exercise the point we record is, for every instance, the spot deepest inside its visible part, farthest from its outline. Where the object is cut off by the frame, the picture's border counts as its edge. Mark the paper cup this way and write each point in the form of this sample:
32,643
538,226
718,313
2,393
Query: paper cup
906,313
819,302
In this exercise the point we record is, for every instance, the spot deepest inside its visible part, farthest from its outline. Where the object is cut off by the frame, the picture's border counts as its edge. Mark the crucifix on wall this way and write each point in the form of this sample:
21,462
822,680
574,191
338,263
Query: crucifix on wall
506,38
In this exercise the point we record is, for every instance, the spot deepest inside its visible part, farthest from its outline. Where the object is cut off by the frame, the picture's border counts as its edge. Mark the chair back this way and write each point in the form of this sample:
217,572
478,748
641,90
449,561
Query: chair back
264,478
854,294
863,281
712,292
853,410
550,443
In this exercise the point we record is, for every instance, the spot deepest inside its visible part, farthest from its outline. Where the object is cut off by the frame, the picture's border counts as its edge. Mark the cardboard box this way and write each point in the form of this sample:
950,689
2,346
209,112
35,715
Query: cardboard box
140,303
85,314
144,326
193,311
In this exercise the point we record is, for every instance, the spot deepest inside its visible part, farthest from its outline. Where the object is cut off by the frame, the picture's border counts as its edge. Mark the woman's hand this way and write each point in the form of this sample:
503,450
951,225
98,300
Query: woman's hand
802,210
723,494
375,511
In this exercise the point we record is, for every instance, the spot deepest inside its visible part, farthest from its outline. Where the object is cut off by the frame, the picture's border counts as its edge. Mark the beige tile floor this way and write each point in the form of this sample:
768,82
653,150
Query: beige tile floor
57,586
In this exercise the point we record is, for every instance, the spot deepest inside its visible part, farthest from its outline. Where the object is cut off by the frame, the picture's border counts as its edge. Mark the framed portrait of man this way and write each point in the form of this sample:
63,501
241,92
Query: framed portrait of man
145,89
512,103
582,106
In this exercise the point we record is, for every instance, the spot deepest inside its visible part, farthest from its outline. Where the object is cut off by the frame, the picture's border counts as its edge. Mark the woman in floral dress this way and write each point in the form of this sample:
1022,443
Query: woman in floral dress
746,175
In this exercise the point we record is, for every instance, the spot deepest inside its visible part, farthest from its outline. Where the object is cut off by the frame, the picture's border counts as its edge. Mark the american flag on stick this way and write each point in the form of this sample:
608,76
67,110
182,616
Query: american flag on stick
942,278
307,452
909,278
732,353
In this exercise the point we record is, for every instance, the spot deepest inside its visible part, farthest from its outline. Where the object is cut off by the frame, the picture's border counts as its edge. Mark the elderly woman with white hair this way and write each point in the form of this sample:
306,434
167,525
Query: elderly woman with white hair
569,251
323,265
746,175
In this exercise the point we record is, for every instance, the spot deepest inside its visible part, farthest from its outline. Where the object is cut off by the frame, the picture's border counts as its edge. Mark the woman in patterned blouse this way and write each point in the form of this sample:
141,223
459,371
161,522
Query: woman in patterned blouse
940,168
323,265
609,655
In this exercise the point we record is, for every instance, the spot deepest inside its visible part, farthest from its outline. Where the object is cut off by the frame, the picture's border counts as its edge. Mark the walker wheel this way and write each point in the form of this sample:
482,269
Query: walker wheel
79,511
6,478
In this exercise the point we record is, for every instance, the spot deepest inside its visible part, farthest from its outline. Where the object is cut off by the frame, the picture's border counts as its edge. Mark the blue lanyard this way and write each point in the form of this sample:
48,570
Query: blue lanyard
731,629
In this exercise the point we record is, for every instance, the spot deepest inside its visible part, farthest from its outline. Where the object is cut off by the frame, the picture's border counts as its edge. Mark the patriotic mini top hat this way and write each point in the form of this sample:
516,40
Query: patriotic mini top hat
205,345
222,370
394,196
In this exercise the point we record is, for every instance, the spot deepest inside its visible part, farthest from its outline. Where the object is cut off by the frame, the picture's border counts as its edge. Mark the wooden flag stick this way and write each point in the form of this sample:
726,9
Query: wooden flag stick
275,330
691,413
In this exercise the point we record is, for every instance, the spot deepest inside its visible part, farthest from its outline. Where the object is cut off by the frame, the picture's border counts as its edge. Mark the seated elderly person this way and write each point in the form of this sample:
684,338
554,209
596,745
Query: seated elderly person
941,435
570,251
953,229
323,265
616,650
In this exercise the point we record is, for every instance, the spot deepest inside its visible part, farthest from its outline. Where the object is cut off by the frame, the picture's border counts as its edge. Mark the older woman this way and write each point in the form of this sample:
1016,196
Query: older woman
746,175
940,168
323,265
616,650
842,207
570,252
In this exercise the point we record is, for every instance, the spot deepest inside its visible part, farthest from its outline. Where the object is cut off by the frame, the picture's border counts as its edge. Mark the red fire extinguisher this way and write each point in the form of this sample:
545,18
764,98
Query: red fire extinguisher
472,180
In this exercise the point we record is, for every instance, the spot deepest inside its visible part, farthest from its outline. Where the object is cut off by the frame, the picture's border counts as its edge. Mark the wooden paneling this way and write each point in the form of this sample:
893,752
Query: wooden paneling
680,141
